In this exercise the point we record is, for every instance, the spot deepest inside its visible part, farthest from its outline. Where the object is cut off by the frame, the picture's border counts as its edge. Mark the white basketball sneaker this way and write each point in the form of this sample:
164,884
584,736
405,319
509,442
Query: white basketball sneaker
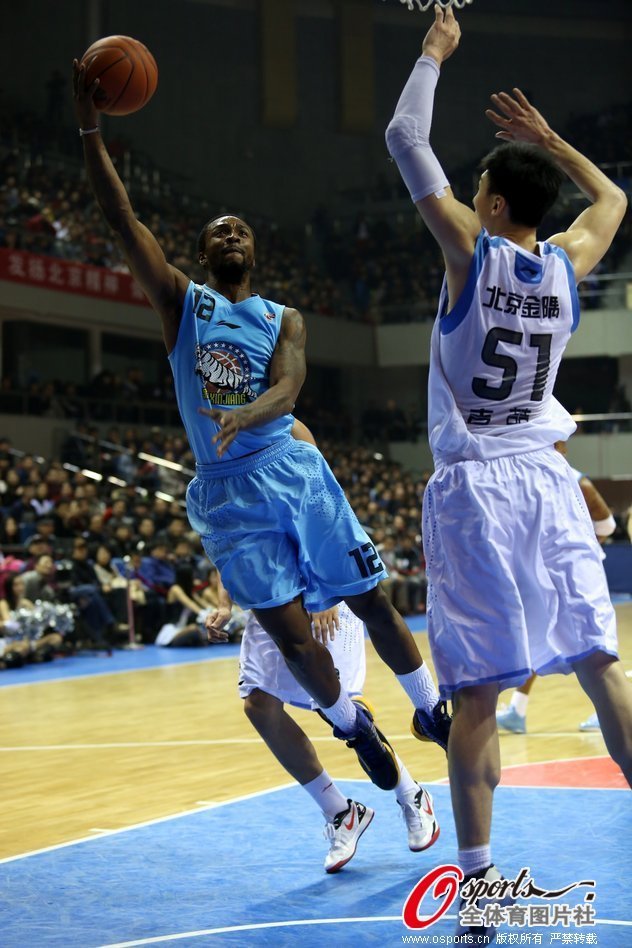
421,822
344,831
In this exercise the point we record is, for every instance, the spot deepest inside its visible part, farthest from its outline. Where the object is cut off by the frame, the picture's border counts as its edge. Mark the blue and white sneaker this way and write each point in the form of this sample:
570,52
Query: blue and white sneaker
591,723
508,719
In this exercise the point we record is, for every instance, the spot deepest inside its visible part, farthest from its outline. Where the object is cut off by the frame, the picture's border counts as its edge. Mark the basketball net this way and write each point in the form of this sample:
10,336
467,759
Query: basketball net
424,5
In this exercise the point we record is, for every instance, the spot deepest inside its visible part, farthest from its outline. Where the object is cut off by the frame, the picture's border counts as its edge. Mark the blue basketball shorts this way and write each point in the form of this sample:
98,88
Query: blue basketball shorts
277,525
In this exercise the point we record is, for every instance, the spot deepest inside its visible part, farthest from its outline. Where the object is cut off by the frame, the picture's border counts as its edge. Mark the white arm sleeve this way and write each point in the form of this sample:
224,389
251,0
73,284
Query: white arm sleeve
408,133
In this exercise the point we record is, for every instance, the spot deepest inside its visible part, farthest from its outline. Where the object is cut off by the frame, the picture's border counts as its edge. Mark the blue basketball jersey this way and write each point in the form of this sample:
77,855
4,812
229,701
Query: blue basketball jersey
222,360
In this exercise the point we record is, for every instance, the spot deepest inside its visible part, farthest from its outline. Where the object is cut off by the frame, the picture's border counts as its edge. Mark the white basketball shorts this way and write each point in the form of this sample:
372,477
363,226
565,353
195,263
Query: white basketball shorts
262,666
515,577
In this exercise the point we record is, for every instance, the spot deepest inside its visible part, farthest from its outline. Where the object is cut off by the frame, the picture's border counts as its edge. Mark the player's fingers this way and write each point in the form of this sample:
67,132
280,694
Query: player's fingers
522,99
508,103
497,100
206,411
496,118
216,636
506,136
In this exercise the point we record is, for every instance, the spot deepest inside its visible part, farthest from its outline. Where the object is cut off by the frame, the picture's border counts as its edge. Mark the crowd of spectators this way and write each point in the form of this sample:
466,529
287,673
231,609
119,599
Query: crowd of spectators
91,561
88,561
373,266
82,560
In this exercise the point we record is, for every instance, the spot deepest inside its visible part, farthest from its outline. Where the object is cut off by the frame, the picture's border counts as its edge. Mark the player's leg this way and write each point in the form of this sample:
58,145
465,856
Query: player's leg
474,766
514,717
474,769
311,664
346,820
338,562
604,681
290,629
397,648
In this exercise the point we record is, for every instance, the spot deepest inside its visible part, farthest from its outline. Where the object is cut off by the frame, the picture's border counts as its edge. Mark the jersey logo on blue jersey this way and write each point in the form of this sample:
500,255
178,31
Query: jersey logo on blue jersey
270,316
223,322
225,372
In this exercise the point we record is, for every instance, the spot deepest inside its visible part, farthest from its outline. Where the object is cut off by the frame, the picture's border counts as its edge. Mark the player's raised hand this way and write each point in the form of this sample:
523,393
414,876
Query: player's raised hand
443,36
85,108
519,121
214,624
325,624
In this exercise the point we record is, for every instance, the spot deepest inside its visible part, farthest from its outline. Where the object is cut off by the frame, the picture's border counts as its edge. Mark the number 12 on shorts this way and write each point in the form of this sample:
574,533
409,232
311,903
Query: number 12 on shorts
367,560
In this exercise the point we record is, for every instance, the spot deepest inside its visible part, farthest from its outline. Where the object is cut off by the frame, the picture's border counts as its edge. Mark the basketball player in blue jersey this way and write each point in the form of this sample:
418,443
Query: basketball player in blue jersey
266,685
269,511
516,582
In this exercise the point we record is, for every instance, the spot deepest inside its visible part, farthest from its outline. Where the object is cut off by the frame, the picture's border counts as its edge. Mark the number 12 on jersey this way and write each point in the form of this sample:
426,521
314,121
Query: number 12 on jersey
367,560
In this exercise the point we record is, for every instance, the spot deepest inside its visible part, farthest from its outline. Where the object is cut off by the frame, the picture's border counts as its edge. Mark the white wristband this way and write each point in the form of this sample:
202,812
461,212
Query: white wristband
88,131
603,528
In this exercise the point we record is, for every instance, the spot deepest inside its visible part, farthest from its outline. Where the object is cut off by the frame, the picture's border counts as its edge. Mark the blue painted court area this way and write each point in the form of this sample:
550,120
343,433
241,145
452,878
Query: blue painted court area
122,660
254,867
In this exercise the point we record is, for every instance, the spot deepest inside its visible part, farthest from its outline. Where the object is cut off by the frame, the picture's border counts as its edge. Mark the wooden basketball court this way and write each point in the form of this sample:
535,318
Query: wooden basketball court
88,754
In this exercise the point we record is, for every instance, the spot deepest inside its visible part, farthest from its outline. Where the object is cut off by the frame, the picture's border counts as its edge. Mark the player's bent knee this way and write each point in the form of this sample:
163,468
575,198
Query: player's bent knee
258,706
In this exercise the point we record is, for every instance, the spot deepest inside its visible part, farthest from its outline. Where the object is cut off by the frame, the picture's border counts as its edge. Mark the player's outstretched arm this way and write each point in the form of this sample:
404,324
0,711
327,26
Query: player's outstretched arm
589,237
453,224
287,374
163,284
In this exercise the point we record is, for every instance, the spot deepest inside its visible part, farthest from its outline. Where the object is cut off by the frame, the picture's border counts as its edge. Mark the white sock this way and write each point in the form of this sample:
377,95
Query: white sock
342,713
407,789
475,858
327,796
420,688
519,703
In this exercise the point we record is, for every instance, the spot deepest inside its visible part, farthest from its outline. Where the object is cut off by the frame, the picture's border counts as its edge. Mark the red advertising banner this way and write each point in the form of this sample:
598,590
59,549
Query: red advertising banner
52,273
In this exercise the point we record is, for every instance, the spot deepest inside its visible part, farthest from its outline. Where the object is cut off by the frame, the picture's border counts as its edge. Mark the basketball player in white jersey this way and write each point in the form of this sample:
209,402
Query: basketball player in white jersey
266,684
516,582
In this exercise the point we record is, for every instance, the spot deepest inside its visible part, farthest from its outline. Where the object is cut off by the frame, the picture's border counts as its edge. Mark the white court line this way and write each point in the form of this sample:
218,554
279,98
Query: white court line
206,805
326,738
303,922
556,760
158,820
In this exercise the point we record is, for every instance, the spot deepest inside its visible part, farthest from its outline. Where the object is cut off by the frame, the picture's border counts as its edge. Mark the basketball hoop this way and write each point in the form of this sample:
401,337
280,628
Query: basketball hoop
424,5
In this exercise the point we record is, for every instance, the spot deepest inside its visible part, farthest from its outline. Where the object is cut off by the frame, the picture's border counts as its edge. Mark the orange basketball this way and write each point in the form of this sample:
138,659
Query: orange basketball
127,74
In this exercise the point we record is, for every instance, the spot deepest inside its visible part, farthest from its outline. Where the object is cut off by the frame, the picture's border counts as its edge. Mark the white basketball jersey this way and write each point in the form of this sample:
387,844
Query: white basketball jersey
495,354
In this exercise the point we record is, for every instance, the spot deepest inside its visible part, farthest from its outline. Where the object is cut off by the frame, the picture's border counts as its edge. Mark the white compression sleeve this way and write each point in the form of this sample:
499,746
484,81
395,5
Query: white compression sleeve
408,133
